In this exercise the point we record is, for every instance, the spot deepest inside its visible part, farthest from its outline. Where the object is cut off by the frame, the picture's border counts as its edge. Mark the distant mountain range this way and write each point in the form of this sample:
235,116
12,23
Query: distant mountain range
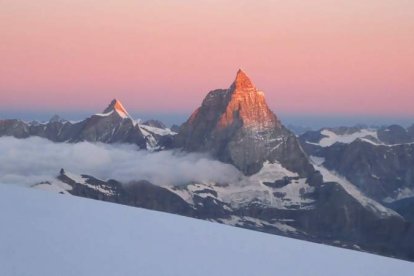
348,187
379,162
113,125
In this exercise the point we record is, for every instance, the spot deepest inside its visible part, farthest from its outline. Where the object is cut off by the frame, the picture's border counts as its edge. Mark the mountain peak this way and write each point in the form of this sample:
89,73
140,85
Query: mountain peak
117,106
247,104
237,126
242,81
56,119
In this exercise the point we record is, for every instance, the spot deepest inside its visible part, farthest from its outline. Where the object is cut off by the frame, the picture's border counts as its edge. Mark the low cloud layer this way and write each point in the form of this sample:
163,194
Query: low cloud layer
32,160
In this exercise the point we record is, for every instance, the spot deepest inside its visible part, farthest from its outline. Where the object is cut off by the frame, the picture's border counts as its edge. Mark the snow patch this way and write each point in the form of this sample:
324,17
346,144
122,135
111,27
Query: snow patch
105,114
255,189
271,172
401,193
158,131
83,181
55,186
332,138
151,142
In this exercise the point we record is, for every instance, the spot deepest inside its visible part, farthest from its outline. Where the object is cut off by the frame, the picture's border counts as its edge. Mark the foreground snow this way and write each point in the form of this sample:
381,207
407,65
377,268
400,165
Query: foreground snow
48,234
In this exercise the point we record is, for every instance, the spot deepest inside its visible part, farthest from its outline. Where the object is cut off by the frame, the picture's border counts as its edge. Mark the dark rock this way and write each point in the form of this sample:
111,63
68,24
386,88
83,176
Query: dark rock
394,134
175,128
410,131
155,123
378,171
236,126
56,119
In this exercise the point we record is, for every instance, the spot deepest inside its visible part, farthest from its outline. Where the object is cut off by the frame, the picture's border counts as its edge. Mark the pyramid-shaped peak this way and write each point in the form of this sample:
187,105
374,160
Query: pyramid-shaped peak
242,81
117,106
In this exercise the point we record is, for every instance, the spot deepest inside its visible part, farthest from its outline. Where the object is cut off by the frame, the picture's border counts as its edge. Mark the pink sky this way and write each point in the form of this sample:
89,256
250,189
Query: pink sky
320,56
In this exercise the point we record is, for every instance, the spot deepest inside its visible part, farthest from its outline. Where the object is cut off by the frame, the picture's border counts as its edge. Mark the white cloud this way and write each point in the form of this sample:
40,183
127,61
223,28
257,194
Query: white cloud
29,161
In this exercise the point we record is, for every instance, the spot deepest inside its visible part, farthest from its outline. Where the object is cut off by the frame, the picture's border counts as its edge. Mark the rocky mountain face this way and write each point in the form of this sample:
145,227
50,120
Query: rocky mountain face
395,134
114,125
379,162
382,172
236,126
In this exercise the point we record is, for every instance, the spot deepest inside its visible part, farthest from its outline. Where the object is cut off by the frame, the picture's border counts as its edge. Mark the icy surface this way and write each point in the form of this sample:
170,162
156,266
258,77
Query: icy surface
152,143
55,186
254,189
271,172
332,138
105,114
382,144
149,132
48,234
400,194
158,131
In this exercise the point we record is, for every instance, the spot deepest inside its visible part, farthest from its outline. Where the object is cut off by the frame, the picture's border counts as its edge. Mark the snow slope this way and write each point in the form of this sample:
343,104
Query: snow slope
331,137
49,234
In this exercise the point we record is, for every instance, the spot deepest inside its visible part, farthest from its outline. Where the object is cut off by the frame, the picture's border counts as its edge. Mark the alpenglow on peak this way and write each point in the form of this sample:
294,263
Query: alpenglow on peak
117,106
236,126
242,81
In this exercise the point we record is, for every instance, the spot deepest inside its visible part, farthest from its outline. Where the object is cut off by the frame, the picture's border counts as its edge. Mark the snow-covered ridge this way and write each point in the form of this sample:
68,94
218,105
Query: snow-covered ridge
400,194
116,107
59,186
365,135
258,188
156,130
105,114
48,234
55,186
352,190
332,137
382,144
121,114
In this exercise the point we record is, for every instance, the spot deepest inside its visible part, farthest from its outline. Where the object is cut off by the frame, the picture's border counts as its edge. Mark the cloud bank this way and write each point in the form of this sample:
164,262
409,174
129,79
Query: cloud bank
32,160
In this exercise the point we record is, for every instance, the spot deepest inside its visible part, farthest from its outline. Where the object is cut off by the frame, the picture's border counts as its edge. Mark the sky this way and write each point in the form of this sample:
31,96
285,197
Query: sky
313,59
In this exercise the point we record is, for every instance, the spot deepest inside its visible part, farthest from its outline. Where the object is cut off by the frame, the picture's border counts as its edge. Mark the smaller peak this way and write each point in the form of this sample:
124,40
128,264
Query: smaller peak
242,81
56,119
117,106
112,105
